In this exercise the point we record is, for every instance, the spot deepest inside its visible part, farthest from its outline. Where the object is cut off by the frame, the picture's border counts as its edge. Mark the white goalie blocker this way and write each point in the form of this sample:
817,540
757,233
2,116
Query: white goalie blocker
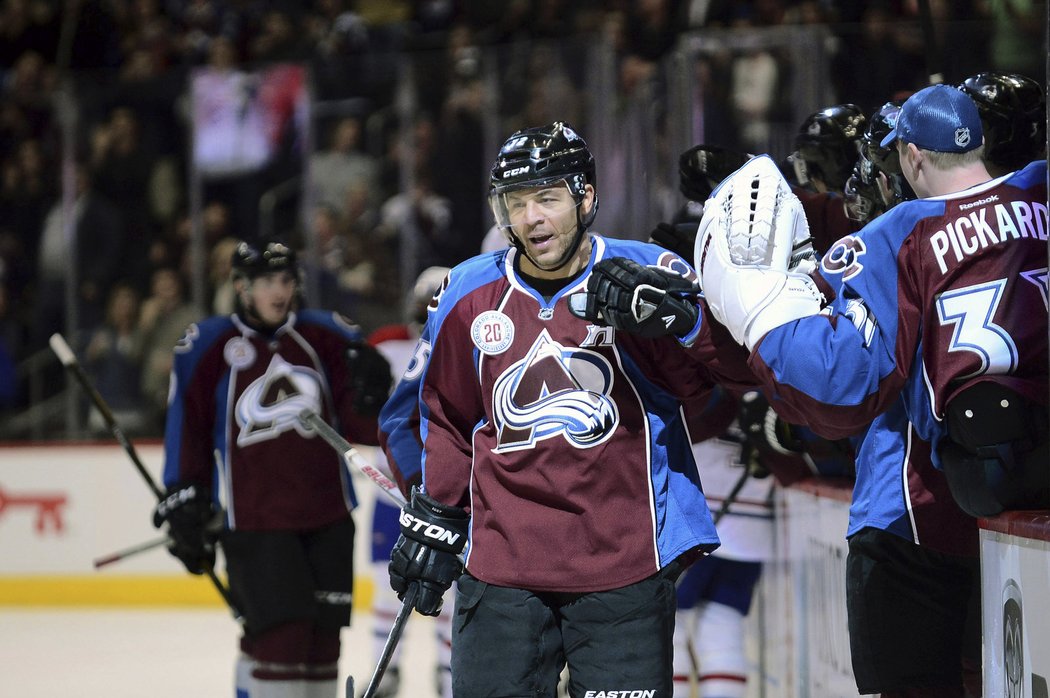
754,253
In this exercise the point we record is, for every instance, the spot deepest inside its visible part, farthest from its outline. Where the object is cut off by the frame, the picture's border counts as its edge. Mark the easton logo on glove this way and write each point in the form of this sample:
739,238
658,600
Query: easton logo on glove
429,529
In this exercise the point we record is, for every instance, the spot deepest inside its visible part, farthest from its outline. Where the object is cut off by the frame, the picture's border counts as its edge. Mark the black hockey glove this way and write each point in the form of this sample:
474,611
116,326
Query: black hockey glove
370,378
703,167
426,553
647,301
680,238
193,521
763,429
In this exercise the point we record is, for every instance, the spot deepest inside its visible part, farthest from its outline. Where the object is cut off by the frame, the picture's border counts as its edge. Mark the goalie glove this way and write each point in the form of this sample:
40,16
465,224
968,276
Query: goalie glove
754,253
193,521
646,301
427,551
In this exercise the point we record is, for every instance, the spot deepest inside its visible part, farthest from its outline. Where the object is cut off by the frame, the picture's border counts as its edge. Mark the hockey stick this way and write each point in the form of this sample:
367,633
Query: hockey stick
349,454
128,552
69,360
391,641
731,497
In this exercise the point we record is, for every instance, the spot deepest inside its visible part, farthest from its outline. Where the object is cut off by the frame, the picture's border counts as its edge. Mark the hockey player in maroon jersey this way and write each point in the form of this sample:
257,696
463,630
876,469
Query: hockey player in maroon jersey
240,469
923,332
556,447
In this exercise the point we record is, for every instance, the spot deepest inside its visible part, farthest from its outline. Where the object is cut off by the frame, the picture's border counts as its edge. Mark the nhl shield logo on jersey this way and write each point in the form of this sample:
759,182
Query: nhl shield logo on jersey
492,332
238,353
554,391
272,403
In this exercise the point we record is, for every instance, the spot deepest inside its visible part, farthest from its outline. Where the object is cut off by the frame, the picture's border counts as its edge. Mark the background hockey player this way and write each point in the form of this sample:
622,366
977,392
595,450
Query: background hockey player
971,249
555,445
242,470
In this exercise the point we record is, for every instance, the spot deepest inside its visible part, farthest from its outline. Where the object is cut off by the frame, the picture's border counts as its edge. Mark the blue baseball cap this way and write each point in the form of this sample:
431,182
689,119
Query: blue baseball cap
940,118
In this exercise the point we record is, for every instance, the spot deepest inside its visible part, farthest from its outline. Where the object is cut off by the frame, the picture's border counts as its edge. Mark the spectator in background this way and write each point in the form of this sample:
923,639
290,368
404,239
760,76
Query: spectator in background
165,315
113,359
333,172
99,235
122,168
650,30
220,268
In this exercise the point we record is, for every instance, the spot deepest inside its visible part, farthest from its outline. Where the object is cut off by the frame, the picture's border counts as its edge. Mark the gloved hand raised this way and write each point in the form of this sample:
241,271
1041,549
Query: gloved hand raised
427,551
642,300
193,522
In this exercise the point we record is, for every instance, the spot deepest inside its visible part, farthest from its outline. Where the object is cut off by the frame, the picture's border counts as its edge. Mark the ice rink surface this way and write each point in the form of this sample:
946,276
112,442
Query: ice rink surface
169,653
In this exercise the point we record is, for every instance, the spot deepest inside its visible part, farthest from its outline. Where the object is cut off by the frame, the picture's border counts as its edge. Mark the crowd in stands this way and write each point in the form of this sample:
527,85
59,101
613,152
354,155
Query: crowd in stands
124,66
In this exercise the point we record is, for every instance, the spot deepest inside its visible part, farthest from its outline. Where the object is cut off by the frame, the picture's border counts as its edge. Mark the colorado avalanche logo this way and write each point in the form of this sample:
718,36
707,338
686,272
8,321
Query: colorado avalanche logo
554,391
271,404
845,257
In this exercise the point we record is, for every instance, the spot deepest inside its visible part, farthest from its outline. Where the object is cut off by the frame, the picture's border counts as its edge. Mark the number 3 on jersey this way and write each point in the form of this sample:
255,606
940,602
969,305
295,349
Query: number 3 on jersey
970,310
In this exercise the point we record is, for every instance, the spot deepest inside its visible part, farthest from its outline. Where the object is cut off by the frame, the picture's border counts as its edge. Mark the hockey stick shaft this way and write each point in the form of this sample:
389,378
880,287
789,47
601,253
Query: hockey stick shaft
351,456
731,497
128,552
69,360
391,641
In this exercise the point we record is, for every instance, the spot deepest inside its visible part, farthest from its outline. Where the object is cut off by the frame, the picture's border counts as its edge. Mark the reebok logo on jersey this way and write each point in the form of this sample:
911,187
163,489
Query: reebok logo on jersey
646,693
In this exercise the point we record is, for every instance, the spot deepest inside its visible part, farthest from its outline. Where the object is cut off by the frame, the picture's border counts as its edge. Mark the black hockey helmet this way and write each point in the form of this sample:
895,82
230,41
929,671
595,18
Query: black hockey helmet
1013,114
703,167
255,259
543,155
875,159
540,156
827,145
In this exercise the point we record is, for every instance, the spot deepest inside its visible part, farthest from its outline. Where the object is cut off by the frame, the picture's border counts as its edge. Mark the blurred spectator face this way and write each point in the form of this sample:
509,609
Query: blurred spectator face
123,124
222,54
347,135
216,220
123,309
220,262
167,287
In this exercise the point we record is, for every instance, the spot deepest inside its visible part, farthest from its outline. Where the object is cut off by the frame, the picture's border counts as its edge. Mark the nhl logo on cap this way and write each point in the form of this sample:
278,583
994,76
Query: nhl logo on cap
938,118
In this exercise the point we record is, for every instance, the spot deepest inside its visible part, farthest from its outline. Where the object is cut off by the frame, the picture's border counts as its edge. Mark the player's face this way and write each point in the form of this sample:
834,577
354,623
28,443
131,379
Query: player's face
544,219
272,296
